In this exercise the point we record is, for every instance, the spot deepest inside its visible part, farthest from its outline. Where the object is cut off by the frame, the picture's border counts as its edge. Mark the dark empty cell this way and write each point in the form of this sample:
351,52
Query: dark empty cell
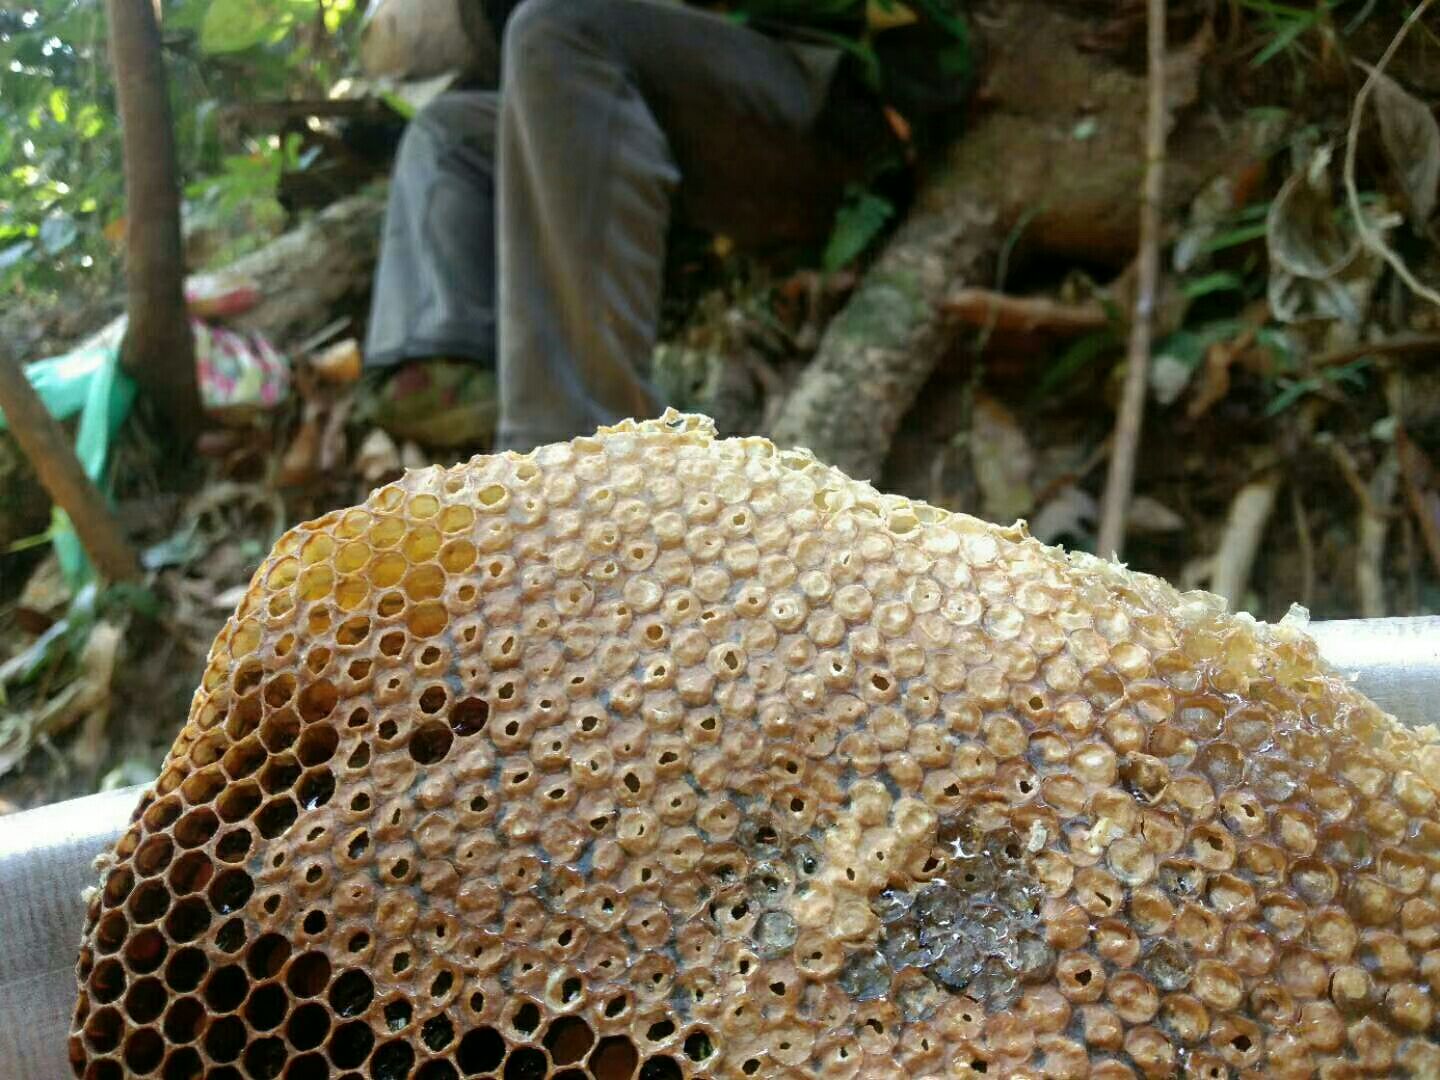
243,758
146,951
316,788
437,1032
104,1070
231,936
280,731
433,699
614,1059
267,956
102,1030
398,1014
276,816
569,1039
183,1064
118,885
318,700
314,922
279,774
437,1070
145,1001
149,901
351,993
527,1018
430,742
698,1046
358,844
469,716
226,989
225,1039
203,786
387,730
239,801
234,846
190,873
196,827
154,855
309,1024
660,1031
317,744
571,1074
264,1059
230,891
188,919
107,981
661,1068
160,815
392,643
440,985
481,1051
359,757
143,1051
392,1061
308,1067
279,690
224,1072
185,970
525,1063
182,1020
266,1008
111,931
351,1043
308,974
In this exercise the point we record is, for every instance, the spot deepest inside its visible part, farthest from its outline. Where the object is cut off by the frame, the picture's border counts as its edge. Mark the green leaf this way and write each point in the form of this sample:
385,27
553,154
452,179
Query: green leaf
1079,355
234,25
858,221
1220,281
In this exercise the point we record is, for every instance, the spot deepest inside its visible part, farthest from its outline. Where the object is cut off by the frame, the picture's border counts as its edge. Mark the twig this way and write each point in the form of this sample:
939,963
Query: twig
1418,476
43,441
1370,546
1401,345
1368,236
1306,540
1120,480
1250,512
1027,314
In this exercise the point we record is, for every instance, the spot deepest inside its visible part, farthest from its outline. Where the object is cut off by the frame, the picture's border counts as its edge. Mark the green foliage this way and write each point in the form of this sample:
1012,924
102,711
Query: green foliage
859,220
61,179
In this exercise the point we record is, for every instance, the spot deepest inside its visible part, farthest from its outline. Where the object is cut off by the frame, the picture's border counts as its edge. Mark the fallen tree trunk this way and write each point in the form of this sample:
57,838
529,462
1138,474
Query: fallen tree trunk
1053,165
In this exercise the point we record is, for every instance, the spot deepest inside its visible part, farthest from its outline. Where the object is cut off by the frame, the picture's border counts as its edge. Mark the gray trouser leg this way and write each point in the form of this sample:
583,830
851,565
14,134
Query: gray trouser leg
434,292
605,105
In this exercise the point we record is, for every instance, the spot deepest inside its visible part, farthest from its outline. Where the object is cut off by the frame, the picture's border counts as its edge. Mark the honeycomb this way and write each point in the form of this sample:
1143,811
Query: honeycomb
654,755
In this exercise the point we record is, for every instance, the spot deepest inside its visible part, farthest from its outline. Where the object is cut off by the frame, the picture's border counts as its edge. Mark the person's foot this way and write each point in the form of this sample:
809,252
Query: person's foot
438,402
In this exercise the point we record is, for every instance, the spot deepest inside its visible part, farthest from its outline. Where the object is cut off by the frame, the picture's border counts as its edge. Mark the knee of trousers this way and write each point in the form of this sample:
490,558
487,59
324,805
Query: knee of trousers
542,37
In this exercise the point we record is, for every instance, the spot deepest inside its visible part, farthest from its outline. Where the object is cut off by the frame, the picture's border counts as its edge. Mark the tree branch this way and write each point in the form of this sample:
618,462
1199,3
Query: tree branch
43,441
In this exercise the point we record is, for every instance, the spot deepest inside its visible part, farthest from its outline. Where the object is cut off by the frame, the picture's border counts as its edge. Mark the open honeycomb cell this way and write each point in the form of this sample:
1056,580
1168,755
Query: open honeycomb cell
656,756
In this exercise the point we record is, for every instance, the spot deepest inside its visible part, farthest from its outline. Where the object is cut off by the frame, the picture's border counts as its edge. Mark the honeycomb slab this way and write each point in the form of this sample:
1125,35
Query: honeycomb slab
652,755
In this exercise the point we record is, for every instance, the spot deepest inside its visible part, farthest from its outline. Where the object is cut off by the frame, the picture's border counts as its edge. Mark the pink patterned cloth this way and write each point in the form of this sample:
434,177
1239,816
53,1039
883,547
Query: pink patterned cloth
238,372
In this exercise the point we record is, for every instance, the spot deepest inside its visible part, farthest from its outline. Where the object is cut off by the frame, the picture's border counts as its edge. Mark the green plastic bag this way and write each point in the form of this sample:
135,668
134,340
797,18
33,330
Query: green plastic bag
88,382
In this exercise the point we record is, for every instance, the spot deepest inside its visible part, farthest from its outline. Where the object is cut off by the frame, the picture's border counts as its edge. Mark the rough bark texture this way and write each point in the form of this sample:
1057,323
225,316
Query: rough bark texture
308,272
158,350
1056,159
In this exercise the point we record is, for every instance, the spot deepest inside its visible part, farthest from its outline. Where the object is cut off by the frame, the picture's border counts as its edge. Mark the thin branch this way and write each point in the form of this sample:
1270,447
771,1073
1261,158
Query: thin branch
1250,512
1120,480
43,442
1026,314
1375,515
1400,345
1368,236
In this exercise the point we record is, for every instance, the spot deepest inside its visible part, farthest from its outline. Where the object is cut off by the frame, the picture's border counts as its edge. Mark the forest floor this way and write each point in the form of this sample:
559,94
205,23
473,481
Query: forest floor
1291,450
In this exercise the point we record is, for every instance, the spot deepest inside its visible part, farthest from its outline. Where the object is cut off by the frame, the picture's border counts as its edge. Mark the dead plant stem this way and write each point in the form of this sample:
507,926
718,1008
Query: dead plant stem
1120,479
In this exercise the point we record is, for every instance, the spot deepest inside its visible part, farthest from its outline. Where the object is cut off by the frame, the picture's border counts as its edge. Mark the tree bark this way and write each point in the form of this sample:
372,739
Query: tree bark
158,351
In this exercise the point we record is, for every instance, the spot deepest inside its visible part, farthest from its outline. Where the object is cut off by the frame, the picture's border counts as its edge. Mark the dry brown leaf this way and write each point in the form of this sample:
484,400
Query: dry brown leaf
1411,138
